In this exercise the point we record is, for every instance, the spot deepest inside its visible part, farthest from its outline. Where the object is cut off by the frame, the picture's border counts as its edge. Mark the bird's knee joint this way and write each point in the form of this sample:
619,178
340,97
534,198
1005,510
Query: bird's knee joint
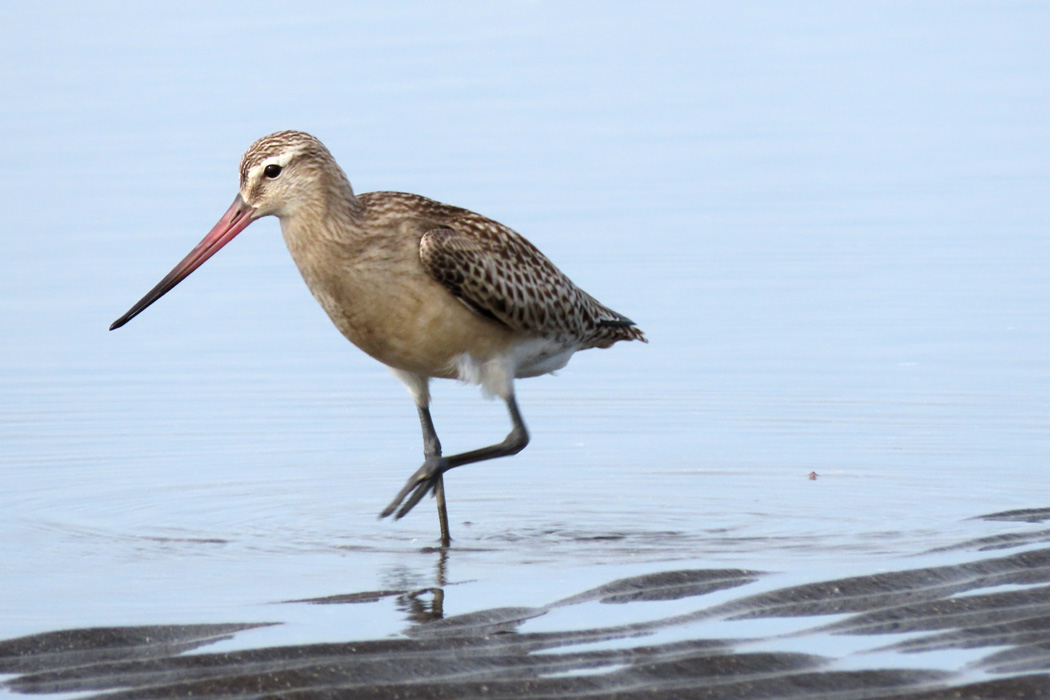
516,441
431,448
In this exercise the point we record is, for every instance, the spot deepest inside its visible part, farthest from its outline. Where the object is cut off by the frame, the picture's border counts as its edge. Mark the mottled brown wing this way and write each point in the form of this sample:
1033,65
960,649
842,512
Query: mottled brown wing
500,275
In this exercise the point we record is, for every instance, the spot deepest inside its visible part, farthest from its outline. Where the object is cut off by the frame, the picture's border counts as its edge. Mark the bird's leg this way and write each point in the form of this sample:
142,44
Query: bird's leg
432,451
428,477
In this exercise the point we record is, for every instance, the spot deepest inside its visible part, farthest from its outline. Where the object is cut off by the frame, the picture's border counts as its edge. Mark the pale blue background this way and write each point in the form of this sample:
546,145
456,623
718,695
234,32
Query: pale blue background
830,218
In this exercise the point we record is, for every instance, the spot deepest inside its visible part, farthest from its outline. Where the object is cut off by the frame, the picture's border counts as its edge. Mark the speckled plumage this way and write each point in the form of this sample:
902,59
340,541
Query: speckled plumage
500,275
429,289
515,293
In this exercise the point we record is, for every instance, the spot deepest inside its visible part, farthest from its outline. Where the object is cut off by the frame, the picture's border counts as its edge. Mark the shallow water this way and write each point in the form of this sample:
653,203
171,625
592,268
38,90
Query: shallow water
831,222
969,628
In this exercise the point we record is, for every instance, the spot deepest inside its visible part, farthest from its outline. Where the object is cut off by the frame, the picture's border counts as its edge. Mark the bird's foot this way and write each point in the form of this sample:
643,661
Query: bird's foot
421,483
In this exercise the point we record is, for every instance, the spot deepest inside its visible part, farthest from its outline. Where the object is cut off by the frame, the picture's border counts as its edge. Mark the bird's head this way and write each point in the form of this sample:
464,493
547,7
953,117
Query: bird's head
281,174
287,171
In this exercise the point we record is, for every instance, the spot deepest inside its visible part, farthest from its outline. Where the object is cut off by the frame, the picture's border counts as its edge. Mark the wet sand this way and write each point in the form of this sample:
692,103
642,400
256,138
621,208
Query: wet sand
995,606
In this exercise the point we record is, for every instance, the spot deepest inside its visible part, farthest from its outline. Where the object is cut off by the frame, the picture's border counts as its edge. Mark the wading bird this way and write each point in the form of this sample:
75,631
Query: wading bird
428,289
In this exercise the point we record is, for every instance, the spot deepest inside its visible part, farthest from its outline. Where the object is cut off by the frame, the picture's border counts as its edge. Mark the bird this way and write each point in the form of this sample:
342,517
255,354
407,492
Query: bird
430,290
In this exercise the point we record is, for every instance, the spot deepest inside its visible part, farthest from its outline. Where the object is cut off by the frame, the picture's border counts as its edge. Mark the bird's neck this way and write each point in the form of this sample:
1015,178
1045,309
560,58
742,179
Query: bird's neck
324,228
331,211
340,204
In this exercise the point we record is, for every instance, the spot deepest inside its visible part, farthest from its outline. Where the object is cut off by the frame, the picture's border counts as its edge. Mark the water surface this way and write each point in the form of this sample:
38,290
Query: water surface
830,220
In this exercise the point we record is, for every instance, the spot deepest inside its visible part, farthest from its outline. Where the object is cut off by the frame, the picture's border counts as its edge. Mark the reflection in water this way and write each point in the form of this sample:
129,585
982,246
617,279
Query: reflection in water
420,603
425,605
998,604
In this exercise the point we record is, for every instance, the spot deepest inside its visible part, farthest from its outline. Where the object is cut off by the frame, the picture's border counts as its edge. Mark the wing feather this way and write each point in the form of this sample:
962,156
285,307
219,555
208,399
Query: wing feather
498,274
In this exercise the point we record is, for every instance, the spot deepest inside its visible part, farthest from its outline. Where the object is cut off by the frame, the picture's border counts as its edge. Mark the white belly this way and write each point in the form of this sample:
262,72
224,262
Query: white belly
530,357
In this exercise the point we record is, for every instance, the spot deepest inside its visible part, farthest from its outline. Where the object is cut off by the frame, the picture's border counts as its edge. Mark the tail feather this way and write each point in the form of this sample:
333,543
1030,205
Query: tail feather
611,330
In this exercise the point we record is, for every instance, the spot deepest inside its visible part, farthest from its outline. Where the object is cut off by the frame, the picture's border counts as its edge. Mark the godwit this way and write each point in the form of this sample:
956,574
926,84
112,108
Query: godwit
428,289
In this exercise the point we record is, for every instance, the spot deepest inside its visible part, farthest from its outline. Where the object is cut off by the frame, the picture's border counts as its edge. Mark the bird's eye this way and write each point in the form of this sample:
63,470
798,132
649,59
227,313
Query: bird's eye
272,171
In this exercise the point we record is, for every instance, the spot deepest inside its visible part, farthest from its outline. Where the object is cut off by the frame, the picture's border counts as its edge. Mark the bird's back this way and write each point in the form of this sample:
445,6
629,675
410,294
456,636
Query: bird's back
498,274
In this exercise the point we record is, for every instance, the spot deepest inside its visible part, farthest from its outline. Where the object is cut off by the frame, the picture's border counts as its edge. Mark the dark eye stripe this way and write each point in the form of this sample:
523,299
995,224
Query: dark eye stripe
272,171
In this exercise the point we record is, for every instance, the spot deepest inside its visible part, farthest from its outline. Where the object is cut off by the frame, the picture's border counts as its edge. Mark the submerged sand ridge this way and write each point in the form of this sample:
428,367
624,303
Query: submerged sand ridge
993,609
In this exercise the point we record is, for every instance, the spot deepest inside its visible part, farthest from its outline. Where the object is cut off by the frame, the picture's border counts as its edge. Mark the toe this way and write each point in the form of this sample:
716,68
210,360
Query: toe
421,483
